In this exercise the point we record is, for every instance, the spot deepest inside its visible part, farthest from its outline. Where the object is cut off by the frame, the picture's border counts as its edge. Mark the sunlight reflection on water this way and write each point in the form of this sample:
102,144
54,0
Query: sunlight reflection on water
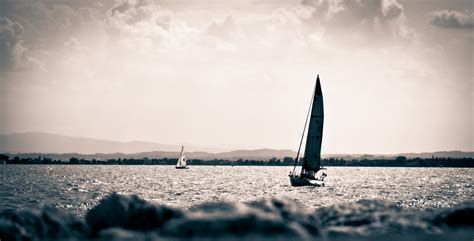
78,188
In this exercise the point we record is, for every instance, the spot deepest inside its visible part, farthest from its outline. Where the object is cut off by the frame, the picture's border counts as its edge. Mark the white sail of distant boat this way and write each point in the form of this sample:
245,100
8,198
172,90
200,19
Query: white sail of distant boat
312,155
181,164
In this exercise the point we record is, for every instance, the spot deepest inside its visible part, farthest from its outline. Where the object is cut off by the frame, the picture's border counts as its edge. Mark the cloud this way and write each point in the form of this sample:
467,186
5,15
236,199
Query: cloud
45,27
101,52
349,10
224,34
364,21
139,12
452,19
13,55
224,29
147,26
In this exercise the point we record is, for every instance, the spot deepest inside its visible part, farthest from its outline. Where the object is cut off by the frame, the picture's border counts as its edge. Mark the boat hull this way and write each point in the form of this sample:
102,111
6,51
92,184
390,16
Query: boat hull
181,167
301,181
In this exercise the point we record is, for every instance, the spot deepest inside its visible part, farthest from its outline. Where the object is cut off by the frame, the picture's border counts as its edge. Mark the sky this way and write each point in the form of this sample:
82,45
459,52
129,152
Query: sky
396,75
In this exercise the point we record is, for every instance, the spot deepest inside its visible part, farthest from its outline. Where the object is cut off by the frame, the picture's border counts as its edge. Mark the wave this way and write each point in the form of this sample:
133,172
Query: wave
119,217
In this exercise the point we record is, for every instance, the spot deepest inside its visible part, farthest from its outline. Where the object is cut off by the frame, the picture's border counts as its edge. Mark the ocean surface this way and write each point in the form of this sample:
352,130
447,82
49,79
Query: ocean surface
79,188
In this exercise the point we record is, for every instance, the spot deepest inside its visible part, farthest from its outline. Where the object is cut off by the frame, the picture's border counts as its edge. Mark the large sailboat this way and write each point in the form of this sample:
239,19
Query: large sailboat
312,156
181,164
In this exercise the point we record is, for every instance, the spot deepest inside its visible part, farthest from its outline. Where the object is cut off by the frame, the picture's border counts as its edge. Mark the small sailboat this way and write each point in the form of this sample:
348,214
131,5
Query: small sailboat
181,164
312,155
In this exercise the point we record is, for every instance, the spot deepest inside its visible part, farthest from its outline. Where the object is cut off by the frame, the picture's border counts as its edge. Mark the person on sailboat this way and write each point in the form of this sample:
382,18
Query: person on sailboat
324,175
309,175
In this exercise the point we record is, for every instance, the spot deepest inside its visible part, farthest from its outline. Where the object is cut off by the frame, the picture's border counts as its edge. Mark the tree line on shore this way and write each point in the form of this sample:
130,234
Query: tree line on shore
400,161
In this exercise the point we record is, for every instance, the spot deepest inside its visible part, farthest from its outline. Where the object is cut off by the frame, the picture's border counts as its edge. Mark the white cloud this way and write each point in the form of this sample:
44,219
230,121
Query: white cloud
225,29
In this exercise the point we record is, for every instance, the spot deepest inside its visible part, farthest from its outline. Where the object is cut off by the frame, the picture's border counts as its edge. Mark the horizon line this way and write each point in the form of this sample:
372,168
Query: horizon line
208,146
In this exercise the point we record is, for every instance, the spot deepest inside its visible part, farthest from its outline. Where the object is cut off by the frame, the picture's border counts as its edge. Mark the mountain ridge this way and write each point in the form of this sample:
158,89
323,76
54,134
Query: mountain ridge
43,142
33,144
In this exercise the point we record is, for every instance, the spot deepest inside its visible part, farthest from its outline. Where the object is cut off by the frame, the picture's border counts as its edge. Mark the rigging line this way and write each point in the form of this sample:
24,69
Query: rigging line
304,129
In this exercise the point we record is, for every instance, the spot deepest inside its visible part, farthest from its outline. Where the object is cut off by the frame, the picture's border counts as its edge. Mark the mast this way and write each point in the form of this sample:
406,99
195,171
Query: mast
304,129
312,154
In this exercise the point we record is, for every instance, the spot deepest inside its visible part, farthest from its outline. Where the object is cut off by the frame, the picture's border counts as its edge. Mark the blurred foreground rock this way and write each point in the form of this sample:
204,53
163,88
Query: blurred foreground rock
119,217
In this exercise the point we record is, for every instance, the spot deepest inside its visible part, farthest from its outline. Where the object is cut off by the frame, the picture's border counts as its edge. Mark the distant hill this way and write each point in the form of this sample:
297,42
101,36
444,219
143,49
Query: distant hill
451,154
40,142
261,154
258,154
34,144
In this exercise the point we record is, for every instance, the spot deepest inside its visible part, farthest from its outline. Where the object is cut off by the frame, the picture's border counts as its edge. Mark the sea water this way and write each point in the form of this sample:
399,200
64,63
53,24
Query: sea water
77,188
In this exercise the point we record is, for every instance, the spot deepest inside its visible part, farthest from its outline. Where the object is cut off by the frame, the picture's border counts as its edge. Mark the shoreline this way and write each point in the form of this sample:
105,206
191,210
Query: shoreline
218,165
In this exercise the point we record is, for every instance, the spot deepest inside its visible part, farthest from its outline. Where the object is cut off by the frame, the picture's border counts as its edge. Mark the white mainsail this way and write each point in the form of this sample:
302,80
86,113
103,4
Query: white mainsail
182,159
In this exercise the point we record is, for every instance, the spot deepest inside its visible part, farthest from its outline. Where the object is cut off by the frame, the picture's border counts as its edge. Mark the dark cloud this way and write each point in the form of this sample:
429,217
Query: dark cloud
29,28
44,20
353,12
12,52
33,15
365,21
452,19
133,12
391,9
121,8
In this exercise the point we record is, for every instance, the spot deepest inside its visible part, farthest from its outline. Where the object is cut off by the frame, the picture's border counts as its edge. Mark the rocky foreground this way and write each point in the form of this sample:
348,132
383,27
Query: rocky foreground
119,217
